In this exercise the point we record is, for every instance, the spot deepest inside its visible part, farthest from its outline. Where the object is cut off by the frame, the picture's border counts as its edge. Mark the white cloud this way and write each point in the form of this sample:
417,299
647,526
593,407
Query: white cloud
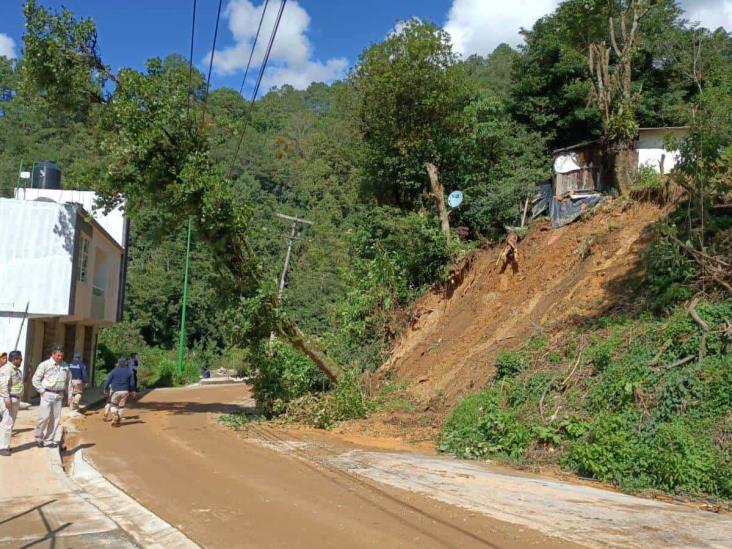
478,26
291,61
710,13
7,46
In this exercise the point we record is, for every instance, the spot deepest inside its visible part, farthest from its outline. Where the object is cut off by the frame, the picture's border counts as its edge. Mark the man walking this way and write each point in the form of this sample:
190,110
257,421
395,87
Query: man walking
79,379
11,389
119,385
51,381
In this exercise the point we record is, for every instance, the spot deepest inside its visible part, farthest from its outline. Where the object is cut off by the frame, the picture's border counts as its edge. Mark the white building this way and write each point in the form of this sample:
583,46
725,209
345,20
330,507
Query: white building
62,271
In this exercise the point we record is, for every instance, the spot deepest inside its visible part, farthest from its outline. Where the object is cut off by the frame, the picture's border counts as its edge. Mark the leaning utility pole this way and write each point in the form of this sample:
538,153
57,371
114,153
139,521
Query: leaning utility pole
286,268
182,335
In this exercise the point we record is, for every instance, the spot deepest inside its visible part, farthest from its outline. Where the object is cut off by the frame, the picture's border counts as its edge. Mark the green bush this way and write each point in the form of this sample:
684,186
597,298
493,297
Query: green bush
346,401
611,451
479,427
669,272
282,374
509,363
632,418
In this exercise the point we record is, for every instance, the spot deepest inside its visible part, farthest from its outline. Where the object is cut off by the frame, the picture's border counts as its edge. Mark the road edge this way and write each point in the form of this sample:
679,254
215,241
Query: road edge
141,524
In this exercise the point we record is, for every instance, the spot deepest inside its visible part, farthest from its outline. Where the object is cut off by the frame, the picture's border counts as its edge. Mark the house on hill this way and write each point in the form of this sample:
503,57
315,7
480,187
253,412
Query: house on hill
582,173
63,273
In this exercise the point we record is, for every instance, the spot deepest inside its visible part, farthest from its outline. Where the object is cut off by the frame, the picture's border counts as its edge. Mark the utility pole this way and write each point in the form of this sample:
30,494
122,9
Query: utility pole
293,235
182,336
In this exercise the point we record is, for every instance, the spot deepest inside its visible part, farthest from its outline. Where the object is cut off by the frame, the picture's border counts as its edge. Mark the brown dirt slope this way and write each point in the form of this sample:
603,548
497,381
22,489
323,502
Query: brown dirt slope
565,275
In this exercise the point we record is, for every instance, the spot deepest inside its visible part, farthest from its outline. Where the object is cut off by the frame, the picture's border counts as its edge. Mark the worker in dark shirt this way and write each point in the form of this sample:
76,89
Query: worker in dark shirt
119,386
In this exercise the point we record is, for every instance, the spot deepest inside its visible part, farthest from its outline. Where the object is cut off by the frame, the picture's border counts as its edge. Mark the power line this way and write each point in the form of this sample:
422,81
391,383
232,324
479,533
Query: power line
259,78
269,50
254,45
210,64
190,60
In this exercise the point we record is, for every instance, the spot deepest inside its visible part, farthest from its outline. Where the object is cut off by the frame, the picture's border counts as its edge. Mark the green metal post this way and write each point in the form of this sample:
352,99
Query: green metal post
182,337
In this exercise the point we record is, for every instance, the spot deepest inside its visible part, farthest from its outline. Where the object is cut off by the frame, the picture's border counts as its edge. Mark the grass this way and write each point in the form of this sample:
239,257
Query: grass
609,401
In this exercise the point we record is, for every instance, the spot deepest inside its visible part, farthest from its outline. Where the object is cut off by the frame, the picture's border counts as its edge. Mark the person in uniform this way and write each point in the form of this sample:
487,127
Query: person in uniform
79,379
11,389
119,386
51,381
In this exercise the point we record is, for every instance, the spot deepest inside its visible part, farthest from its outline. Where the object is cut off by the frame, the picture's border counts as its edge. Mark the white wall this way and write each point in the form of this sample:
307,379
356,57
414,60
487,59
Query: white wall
36,256
13,332
651,149
113,222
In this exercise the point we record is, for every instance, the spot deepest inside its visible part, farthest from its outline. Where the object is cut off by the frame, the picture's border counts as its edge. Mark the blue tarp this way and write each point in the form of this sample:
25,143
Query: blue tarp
563,212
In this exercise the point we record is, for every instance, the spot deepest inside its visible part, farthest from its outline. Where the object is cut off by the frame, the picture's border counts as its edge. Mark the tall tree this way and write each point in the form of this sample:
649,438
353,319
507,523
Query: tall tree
411,95
156,151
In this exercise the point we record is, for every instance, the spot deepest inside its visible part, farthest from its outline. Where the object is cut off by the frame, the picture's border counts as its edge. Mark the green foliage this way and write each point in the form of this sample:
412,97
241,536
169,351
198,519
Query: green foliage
282,375
235,420
669,271
411,93
625,415
481,427
509,363
395,256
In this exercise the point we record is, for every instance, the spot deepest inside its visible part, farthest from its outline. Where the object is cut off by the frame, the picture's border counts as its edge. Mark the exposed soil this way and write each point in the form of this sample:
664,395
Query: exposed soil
564,276
222,489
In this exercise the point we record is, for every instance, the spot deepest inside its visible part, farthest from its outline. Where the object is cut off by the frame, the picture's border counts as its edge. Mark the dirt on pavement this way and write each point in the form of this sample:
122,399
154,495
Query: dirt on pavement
223,490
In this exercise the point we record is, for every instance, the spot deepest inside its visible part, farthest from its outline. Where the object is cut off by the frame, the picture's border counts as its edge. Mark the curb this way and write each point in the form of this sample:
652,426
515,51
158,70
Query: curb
138,522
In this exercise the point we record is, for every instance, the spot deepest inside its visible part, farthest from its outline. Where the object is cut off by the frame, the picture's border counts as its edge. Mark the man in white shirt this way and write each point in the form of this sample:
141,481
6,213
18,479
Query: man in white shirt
11,389
51,380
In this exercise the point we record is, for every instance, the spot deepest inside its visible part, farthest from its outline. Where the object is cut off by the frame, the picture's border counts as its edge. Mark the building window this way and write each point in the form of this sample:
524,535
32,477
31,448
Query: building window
83,259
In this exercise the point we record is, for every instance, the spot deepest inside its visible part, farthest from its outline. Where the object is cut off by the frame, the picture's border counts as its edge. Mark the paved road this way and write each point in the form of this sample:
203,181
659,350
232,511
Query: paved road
223,490
268,488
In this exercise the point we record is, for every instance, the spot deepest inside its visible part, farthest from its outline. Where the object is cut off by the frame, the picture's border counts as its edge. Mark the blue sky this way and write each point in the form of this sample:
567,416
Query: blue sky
318,39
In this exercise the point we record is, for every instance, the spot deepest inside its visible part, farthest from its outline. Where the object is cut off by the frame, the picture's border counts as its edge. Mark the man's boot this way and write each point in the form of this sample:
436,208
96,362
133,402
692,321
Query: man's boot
116,420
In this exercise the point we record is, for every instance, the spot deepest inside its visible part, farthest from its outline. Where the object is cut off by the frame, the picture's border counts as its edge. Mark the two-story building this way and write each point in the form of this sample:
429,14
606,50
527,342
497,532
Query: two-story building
62,273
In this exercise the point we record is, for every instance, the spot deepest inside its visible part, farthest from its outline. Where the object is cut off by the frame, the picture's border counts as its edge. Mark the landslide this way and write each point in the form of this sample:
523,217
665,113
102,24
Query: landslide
454,333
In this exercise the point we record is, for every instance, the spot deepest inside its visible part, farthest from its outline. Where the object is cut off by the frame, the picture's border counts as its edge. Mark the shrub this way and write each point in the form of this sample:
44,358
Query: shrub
509,363
346,401
479,426
282,375
611,450
669,272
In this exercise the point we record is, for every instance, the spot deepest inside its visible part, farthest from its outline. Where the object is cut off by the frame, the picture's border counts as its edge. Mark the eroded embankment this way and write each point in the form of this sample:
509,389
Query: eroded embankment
566,275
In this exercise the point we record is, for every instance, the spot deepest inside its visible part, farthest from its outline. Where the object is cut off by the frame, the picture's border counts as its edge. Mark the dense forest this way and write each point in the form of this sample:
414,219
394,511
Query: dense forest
350,157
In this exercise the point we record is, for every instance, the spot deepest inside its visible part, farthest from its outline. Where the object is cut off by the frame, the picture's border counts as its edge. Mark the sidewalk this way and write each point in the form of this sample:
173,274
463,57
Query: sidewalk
40,506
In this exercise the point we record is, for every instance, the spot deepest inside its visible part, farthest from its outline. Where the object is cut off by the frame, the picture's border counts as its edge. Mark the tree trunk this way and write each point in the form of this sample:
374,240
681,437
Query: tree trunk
625,167
288,330
438,192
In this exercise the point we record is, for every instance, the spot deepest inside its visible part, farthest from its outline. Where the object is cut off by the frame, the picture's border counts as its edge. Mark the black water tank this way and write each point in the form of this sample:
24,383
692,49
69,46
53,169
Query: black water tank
46,175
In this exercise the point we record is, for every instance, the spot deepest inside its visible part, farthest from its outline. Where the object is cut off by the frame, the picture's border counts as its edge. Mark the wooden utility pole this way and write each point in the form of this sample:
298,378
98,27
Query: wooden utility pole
290,240
283,277
438,192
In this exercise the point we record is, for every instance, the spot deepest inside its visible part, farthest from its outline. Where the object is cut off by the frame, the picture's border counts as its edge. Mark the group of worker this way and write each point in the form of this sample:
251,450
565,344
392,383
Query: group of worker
55,379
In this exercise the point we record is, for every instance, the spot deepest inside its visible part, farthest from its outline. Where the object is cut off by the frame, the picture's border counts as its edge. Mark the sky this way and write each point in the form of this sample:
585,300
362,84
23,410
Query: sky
318,40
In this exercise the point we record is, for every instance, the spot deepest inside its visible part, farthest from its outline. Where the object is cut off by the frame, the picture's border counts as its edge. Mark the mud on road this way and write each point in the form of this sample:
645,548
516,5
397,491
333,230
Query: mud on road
223,489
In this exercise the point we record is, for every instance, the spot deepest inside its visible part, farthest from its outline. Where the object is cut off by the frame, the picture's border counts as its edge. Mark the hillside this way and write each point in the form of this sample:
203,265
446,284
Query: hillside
565,276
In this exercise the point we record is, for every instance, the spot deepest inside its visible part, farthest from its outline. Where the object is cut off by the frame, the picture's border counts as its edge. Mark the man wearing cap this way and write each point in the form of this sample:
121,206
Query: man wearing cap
11,389
51,381
79,379
119,385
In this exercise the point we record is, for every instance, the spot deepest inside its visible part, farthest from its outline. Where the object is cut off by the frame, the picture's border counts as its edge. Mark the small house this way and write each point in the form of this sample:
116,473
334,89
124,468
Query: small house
582,173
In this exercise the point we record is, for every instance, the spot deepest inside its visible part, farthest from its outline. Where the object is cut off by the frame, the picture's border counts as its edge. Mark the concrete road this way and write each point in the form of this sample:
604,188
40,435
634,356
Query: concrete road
223,490
266,487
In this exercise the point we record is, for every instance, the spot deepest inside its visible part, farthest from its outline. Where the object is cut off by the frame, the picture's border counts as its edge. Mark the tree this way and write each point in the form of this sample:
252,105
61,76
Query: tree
411,92
613,92
155,151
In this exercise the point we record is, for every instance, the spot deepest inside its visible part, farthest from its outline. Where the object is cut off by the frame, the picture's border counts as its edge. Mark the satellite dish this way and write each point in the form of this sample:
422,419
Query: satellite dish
455,199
